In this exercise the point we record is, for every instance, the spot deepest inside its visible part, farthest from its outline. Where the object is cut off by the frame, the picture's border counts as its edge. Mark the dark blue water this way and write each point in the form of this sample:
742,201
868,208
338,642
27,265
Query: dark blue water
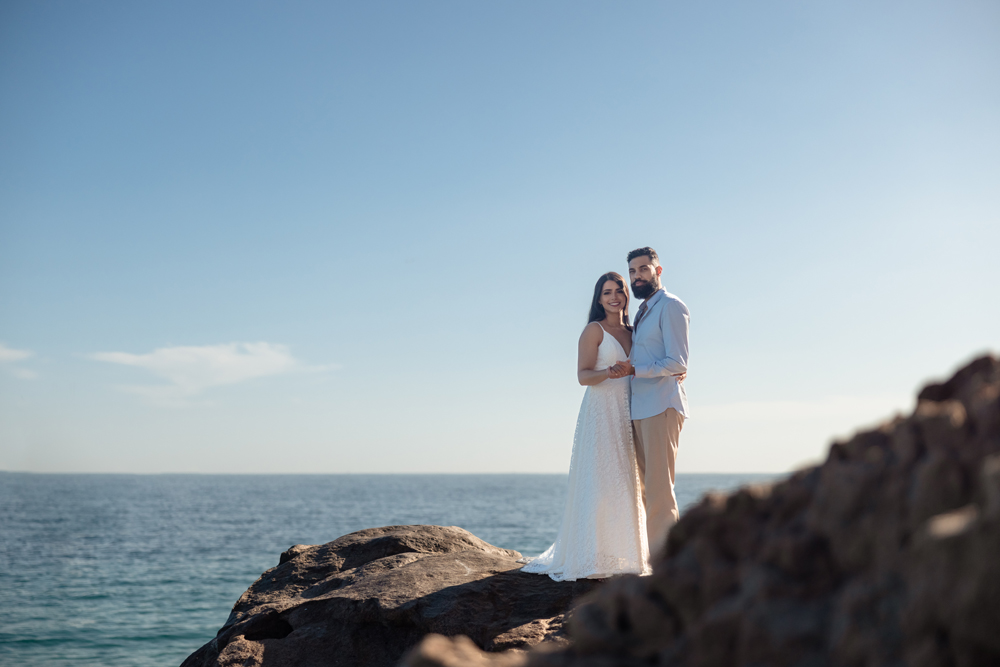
143,569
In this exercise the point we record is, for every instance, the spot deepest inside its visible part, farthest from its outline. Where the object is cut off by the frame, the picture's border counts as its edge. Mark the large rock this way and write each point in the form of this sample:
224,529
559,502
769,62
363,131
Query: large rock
368,597
886,554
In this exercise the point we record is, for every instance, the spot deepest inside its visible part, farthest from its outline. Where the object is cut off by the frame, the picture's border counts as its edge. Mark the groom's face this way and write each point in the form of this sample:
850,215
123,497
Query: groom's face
644,274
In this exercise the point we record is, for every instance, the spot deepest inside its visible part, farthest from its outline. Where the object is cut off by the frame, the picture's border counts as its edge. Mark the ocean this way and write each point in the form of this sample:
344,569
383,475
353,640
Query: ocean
141,570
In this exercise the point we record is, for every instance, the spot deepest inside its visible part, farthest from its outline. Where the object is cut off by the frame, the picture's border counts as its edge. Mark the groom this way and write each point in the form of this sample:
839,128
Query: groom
658,363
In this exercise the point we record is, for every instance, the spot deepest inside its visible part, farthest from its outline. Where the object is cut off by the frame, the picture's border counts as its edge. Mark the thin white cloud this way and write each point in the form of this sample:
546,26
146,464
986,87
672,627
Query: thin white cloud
190,370
9,355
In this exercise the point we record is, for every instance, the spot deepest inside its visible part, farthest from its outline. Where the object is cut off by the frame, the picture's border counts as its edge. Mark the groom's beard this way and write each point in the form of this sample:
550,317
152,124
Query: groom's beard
645,290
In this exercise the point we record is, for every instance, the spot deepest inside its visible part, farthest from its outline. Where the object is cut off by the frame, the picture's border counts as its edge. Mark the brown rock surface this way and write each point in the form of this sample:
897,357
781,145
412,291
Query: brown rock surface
886,554
366,598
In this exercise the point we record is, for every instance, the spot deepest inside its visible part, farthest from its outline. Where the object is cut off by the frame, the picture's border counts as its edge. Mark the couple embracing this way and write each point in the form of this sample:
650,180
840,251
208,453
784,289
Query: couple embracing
621,501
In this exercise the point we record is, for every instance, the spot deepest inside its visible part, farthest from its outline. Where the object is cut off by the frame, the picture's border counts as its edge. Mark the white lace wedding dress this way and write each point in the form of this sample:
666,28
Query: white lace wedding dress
603,531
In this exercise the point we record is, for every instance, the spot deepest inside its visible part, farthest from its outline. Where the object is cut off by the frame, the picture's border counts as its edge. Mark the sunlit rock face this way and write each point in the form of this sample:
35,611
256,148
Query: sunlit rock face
886,554
366,598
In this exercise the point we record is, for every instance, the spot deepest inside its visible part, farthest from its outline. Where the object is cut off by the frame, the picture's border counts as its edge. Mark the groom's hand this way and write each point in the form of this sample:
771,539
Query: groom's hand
625,367
617,371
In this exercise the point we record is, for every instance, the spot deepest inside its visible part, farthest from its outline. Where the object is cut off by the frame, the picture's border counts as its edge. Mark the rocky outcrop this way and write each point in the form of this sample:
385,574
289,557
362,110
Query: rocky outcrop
886,554
368,597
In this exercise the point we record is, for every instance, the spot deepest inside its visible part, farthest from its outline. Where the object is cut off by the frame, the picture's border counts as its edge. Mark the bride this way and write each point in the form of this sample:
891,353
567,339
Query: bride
603,531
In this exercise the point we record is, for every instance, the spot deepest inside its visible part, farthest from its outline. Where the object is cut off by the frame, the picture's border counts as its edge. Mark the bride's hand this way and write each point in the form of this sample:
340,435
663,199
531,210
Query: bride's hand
620,370
680,377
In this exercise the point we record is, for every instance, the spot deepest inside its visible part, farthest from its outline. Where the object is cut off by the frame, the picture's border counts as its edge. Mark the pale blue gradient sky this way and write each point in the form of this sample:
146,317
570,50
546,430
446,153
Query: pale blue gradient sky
403,207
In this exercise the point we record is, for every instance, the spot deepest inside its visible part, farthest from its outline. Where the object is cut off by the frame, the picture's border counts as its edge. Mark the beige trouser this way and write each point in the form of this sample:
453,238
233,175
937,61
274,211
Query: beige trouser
656,441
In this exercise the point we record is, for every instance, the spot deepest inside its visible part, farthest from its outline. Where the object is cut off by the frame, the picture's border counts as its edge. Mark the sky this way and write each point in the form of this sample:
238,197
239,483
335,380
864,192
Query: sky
248,237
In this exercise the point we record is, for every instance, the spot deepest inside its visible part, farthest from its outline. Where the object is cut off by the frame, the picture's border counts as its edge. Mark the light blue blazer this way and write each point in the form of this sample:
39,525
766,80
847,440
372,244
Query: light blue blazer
659,352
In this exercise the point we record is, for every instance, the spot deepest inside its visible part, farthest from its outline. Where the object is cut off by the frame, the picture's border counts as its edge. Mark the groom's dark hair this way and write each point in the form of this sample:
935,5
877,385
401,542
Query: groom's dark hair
647,251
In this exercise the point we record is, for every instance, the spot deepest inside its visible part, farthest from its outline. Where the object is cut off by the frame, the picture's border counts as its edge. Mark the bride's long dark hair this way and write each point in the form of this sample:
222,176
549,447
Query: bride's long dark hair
597,310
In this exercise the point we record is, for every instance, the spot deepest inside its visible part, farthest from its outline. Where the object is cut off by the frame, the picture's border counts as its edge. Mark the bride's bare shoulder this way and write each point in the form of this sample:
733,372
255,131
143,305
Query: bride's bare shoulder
592,333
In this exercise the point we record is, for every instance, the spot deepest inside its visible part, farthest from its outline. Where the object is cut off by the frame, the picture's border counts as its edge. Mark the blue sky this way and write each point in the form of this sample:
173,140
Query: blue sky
362,237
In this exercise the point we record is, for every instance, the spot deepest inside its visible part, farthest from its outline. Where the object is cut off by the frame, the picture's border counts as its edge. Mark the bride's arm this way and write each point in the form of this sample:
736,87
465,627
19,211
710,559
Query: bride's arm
587,356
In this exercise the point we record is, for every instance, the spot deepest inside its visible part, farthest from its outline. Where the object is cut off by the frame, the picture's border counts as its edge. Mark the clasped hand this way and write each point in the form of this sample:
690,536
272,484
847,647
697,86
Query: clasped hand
620,370
623,368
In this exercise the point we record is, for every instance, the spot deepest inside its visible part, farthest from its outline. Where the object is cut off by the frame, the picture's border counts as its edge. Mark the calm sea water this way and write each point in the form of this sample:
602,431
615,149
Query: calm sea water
143,569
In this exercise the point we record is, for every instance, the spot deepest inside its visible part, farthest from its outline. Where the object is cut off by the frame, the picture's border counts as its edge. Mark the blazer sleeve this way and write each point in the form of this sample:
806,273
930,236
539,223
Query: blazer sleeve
674,323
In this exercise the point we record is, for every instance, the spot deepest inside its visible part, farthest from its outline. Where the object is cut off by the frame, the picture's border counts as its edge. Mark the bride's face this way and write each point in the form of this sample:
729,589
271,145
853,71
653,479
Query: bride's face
613,297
